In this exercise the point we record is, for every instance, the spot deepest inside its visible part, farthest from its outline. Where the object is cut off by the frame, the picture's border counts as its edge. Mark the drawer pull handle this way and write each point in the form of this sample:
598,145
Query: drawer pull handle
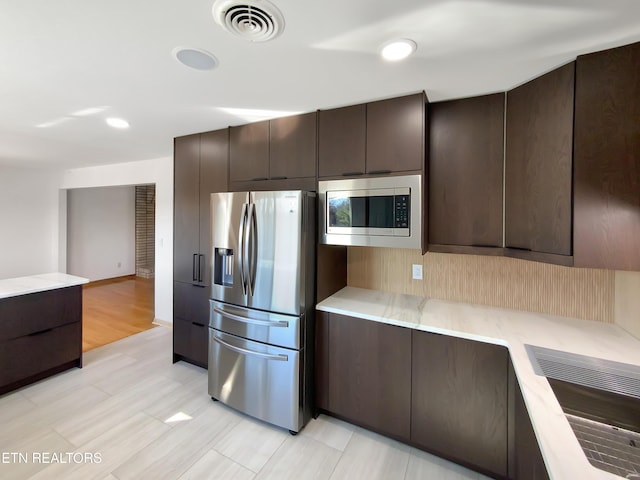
40,332
197,324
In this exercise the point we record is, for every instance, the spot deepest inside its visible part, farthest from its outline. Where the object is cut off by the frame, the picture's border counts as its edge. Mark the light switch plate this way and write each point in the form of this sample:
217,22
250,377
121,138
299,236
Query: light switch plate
416,271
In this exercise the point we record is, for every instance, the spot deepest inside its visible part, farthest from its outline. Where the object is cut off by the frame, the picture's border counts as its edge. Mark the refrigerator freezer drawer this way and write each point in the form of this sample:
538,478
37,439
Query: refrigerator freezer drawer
265,327
260,380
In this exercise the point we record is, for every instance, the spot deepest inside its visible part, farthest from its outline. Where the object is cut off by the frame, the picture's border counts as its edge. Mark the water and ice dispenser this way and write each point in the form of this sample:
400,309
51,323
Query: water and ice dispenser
223,267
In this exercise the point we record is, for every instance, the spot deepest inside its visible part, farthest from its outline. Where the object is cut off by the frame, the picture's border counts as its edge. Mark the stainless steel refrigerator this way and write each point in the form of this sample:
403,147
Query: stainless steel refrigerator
262,304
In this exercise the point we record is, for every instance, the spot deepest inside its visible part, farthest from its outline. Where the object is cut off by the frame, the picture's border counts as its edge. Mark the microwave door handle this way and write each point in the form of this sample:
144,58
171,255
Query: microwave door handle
241,232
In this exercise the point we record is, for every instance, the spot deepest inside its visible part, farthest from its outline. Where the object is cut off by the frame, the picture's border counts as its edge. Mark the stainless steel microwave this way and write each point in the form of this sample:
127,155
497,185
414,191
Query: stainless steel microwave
374,212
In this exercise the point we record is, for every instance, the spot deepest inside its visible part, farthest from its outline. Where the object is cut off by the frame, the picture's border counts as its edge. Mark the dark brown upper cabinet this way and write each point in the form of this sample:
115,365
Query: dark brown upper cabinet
274,154
466,155
375,138
342,141
395,134
607,160
249,152
538,168
293,146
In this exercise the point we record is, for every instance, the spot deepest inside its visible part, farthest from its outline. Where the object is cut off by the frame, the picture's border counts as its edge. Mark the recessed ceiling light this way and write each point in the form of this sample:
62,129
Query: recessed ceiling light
255,114
195,58
398,49
85,112
117,122
53,123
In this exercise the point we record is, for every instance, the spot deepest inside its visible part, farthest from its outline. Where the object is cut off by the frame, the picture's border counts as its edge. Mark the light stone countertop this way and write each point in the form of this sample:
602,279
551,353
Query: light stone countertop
12,287
560,449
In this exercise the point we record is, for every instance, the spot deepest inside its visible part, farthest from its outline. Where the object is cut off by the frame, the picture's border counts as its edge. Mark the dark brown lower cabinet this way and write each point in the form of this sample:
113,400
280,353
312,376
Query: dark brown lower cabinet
190,323
190,342
40,335
322,360
369,371
459,400
529,464
450,396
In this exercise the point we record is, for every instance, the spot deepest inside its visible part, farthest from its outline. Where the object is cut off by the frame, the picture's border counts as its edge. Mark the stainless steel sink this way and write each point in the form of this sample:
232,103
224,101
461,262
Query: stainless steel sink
601,400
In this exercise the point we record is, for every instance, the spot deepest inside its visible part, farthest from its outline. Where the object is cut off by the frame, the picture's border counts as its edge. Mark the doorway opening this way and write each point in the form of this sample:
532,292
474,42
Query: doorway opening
111,241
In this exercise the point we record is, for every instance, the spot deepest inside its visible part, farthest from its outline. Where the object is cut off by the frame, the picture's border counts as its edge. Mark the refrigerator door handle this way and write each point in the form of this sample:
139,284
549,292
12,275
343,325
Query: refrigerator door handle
244,351
247,251
241,246
255,321
253,247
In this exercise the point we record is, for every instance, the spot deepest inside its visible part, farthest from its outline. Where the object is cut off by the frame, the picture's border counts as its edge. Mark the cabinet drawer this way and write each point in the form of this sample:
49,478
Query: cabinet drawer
191,303
32,354
191,341
34,312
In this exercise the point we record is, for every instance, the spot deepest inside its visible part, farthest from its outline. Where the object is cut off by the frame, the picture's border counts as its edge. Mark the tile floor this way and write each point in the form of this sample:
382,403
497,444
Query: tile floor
146,418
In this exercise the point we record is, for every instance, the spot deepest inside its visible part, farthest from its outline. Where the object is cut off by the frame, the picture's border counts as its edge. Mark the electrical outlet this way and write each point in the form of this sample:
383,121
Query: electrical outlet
416,271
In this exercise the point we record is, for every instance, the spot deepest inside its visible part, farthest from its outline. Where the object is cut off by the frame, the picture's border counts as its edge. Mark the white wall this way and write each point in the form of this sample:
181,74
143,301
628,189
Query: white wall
159,172
101,226
29,218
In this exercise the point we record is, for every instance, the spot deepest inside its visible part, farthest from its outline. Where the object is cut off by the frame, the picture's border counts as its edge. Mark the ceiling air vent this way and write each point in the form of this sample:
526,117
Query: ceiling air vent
256,21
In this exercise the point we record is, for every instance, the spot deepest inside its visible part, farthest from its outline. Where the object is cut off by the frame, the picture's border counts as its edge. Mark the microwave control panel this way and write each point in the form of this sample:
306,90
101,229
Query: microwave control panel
402,213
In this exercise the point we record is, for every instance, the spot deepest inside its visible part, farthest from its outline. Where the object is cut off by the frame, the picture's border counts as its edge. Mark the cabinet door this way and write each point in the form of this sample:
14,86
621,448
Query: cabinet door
395,134
370,374
539,162
186,173
190,342
191,318
466,154
249,152
342,141
528,459
293,146
214,156
322,360
607,160
459,400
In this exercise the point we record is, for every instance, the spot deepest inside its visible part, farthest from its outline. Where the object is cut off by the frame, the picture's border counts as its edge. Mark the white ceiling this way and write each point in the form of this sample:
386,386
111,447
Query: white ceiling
60,57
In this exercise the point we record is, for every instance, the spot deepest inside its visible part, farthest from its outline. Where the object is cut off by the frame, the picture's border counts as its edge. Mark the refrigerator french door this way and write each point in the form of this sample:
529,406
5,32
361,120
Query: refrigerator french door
262,301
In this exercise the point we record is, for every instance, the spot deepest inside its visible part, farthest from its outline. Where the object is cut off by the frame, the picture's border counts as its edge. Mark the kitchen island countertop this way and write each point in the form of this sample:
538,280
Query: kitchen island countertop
514,329
12,287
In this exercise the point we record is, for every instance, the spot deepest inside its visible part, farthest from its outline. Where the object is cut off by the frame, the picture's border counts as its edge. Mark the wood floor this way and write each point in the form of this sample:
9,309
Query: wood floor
132,414
116,308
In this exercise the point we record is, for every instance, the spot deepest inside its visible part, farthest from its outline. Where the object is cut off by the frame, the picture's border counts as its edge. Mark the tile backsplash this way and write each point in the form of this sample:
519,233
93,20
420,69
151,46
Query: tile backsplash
584,293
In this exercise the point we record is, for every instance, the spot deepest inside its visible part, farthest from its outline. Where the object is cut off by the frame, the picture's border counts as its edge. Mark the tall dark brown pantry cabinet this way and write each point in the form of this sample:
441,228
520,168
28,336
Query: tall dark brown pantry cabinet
200,168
